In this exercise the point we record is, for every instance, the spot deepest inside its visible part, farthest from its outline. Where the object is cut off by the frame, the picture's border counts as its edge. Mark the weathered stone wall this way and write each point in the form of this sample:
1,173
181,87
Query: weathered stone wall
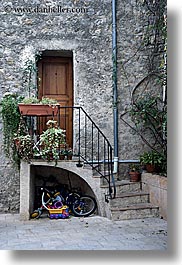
87,32
9,182
88,35
132,67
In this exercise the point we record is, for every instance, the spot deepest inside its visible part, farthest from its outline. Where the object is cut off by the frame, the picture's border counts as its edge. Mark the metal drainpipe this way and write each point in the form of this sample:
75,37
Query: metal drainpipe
115,94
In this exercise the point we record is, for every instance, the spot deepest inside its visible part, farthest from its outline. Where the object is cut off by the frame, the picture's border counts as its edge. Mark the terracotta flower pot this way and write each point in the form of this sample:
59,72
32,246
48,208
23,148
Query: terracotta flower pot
150,168
37,109
61,157
135,176
69,157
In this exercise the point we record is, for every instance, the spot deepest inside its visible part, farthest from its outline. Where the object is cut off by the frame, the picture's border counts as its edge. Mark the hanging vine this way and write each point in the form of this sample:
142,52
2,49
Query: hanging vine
11,118
148,106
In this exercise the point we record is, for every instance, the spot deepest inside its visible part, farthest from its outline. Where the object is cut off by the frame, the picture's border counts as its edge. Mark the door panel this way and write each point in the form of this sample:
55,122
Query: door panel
56,81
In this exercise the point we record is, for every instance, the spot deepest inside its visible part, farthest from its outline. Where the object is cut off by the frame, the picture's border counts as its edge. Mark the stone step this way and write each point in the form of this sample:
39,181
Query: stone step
130,198
136,211
124,186
103,180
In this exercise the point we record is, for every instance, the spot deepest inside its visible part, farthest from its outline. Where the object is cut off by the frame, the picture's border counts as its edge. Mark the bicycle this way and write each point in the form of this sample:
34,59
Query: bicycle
79,205
54,202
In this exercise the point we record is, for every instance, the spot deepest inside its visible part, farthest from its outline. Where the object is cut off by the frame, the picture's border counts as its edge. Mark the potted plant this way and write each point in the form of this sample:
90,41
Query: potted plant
11,119
152,160
67,152
134,172
24,146
51,140
62,151
148,113
23,142
34,107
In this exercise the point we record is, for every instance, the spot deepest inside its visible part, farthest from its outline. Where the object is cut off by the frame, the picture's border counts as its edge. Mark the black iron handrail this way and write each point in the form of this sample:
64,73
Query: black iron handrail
90,144
100,155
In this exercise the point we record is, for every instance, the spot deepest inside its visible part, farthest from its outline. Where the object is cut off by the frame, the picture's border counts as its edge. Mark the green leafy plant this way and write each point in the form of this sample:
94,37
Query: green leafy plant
48,101
147,112
23,142
29,72
24,146
44,101
11,118
148,106
30,75
30,100
135,172
67,151
149,120
134,168
50,141
152,158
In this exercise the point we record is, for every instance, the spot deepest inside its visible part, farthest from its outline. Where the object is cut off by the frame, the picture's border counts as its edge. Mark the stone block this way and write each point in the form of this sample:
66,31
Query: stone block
157,187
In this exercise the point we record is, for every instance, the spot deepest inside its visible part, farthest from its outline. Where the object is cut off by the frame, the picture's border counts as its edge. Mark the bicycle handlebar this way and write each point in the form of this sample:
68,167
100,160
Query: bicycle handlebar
45,189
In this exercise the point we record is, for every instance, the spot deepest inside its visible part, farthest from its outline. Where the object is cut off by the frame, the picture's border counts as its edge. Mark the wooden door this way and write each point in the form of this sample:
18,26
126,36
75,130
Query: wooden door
55,80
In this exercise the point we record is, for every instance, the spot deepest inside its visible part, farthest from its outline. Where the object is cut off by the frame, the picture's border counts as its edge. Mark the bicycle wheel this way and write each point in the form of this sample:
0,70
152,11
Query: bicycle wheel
84,206
71,198
36,214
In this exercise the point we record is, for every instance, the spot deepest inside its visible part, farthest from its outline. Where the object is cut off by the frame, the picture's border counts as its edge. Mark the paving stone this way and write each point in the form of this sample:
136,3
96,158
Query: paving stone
92,233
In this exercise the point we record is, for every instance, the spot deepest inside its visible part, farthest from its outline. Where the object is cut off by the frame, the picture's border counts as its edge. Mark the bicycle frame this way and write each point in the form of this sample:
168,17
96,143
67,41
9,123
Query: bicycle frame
45,203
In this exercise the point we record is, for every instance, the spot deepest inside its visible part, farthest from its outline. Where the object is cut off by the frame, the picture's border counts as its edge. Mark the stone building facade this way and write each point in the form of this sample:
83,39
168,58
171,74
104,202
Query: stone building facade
85,29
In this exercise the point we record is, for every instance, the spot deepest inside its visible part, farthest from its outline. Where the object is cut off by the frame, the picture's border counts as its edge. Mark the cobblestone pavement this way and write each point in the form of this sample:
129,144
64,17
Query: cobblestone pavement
91,233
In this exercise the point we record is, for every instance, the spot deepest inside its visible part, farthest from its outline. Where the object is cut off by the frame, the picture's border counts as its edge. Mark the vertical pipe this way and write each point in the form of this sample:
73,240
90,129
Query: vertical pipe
59,115
79,127
115,92
65,118
98,148
104,156
92,144
85,137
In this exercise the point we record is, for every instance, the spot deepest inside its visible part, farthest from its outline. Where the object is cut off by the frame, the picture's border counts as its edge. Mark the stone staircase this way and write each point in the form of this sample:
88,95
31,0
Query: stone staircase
130,202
